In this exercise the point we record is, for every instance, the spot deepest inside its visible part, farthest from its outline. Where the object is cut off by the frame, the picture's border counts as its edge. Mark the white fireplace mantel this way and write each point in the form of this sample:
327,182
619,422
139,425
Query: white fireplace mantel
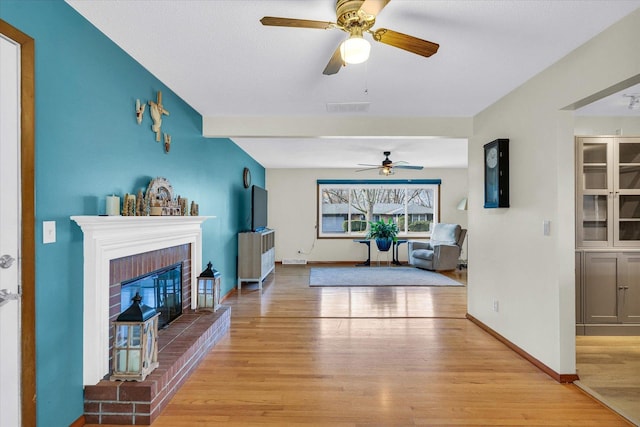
111,237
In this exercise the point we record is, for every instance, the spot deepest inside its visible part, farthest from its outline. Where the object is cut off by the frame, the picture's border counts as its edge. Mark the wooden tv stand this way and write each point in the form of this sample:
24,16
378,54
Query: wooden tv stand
256,256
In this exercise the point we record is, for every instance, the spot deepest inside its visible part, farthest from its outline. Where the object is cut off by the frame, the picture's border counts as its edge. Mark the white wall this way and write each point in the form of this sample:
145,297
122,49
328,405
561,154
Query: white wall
591,125
532,275
293,210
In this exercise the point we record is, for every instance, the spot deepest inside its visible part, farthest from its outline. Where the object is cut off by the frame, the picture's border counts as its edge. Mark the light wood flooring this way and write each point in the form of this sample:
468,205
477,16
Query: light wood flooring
390,356
610,367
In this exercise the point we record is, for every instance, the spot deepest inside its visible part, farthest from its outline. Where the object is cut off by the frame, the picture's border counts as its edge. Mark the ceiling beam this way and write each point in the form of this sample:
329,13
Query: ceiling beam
331,127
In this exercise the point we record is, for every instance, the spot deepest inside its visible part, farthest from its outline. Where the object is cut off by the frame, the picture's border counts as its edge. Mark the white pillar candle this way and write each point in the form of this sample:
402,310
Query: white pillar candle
113,205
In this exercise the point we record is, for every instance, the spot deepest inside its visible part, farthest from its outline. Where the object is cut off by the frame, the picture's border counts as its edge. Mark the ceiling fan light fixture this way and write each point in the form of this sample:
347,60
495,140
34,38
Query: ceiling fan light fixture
634,102
355,49
386,171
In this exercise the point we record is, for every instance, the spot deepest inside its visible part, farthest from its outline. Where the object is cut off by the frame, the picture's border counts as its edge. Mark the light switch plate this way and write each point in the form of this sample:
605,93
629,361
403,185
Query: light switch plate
48,232
546,227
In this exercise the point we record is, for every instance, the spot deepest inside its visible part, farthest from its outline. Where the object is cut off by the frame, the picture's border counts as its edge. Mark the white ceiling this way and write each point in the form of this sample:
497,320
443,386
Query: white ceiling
217,56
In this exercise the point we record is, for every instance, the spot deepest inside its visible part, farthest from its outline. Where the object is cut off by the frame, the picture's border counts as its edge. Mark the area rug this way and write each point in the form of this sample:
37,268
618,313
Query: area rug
377,276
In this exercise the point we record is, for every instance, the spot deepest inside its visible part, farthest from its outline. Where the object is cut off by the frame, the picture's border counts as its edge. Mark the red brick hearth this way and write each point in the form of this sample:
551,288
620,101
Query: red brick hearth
181,348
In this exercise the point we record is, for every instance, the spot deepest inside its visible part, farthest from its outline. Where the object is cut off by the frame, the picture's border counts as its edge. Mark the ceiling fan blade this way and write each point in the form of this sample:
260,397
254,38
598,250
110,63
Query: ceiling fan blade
409,167
368,169
335,63
297,23
372,7
406,42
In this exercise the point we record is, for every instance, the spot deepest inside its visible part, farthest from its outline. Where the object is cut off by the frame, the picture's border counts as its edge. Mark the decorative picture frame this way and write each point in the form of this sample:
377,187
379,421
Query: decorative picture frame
496,174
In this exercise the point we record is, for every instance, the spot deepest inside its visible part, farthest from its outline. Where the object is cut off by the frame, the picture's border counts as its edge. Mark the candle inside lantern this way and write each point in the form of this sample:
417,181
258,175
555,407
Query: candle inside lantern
134,361
113,205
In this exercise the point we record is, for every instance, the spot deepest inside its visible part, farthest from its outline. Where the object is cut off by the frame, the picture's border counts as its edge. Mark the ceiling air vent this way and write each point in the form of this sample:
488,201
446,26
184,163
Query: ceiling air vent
348,107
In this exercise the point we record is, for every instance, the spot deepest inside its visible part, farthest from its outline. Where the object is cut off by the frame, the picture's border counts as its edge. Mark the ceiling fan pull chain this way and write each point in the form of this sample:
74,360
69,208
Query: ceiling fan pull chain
366,78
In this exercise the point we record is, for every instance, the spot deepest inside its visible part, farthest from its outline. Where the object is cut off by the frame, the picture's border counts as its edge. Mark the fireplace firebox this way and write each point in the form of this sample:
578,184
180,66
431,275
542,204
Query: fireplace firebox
160,289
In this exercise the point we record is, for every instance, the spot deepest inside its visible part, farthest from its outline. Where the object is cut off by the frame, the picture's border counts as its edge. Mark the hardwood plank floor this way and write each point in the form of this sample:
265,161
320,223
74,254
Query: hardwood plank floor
610,367
392,356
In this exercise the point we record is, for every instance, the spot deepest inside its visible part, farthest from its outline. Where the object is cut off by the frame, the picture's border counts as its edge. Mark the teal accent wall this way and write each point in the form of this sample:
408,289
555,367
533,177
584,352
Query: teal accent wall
88,146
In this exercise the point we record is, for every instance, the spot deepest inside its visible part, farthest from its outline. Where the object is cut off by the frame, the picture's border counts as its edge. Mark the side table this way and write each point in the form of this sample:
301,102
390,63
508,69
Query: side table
368,261
396,245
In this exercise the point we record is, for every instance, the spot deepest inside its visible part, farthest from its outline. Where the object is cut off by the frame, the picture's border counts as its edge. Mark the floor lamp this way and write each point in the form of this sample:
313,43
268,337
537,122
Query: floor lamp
462,206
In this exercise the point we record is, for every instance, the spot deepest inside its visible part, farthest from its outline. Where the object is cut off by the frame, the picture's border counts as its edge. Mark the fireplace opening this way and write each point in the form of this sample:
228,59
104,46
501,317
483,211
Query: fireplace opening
160,289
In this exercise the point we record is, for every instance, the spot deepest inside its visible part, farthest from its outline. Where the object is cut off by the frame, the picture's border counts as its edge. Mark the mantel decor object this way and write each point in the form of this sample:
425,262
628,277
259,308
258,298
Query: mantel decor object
159,200
113,205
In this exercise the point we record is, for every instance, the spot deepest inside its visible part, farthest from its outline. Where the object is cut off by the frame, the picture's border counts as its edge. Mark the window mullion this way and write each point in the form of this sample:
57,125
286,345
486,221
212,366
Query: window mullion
406,210
349,212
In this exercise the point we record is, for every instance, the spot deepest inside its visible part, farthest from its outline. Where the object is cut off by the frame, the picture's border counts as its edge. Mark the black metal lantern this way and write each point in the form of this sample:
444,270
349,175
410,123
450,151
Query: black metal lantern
135,349
209,289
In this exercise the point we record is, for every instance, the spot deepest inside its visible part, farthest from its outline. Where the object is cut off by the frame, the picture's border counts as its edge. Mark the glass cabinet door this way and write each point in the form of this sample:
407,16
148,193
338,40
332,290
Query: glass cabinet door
594,218
594,166
594,186
627,192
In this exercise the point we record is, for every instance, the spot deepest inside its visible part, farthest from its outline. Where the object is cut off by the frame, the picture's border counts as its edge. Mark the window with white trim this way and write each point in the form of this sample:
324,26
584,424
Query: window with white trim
346,207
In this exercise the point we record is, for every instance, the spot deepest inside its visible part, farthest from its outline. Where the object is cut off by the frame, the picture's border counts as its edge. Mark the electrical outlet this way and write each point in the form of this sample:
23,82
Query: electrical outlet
496,305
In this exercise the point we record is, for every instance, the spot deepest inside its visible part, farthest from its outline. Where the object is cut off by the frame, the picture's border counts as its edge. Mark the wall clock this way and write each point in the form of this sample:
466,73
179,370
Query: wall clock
246,177
496,174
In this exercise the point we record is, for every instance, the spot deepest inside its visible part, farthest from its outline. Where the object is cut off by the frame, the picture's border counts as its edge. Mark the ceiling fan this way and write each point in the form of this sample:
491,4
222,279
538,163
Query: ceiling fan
357,17
387,166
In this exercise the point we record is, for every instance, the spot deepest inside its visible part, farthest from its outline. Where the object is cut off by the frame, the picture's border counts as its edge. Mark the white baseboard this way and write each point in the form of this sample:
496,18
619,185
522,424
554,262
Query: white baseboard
294,261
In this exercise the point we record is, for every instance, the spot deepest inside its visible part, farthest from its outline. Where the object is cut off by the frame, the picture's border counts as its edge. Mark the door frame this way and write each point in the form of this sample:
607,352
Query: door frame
27,218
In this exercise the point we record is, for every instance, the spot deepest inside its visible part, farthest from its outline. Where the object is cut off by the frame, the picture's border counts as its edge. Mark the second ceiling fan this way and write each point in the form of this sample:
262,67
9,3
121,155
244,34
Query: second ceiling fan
387,166
357,17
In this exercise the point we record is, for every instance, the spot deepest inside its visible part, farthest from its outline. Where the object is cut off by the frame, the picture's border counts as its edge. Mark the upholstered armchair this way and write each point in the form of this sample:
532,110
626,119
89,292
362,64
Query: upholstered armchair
441,252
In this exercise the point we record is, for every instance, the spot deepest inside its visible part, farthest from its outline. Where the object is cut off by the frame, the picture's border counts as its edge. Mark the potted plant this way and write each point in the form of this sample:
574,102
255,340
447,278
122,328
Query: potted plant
385,233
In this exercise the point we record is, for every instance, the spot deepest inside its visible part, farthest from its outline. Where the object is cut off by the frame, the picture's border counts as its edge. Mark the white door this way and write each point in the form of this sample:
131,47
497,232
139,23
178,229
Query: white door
10,231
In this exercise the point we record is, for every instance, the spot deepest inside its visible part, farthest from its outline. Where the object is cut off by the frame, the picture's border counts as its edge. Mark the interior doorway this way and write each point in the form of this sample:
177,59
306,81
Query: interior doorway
24,169
609,366
9,233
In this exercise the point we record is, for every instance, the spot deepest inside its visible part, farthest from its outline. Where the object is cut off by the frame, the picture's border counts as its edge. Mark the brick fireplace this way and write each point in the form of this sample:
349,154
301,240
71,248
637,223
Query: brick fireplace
120,248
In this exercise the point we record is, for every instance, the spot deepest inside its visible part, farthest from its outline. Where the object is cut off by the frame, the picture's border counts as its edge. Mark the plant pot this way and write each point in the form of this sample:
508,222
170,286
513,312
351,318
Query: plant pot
384,244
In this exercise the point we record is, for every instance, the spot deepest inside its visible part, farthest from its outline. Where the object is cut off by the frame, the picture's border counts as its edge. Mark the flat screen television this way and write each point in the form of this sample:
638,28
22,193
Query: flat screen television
258,208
